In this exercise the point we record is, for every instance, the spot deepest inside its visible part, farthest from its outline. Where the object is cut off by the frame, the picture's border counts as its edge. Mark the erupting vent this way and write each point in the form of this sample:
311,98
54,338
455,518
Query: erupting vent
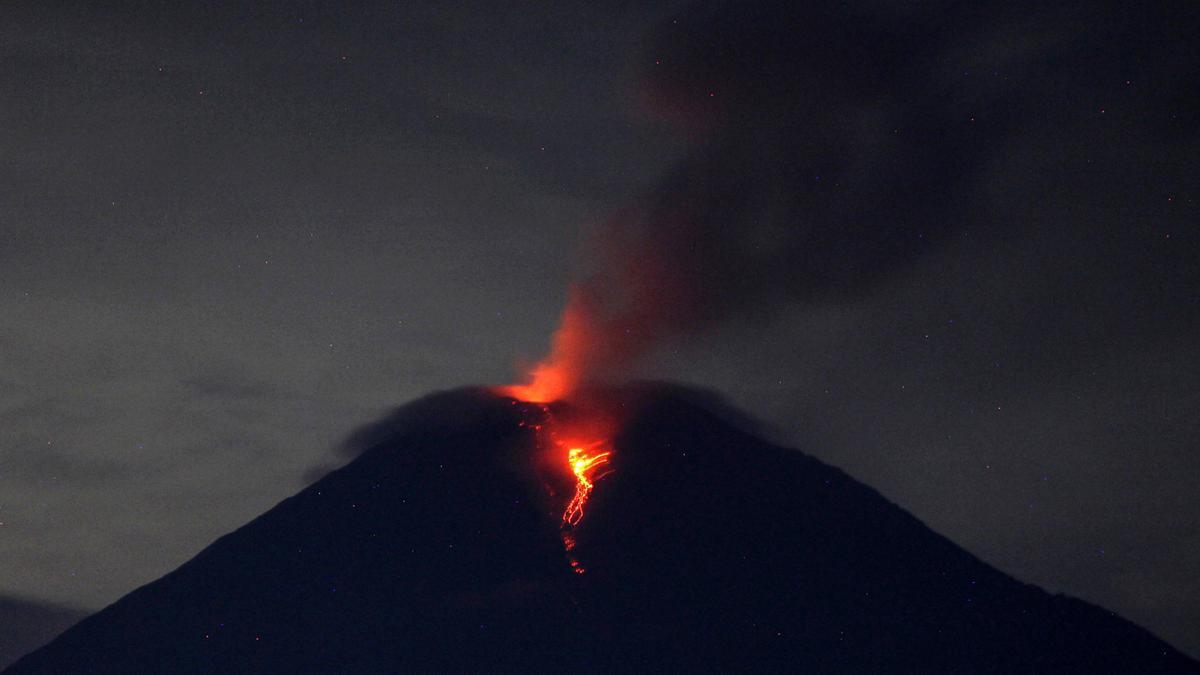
582,442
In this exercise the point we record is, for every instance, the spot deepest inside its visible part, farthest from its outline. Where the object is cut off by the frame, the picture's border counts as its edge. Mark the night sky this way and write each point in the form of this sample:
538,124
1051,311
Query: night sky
950,249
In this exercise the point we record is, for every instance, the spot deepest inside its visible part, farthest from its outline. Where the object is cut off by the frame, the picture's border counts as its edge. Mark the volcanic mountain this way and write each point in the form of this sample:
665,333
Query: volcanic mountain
705,548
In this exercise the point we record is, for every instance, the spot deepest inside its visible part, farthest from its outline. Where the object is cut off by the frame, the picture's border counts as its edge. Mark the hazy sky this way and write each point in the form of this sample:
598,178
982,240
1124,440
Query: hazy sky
229,235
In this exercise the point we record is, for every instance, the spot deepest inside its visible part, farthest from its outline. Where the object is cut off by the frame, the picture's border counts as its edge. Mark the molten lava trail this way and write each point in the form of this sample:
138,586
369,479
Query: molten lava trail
589,461
584,463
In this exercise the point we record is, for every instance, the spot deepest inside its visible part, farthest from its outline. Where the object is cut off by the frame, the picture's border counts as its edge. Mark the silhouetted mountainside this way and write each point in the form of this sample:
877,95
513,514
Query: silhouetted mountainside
707,549
26,625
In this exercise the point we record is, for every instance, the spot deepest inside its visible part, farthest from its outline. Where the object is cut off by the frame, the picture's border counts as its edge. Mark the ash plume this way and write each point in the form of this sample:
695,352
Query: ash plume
820,156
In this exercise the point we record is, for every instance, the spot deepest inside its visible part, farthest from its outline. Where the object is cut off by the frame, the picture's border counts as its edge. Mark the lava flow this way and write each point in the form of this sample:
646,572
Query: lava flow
580,441
588,461
583,465
579,444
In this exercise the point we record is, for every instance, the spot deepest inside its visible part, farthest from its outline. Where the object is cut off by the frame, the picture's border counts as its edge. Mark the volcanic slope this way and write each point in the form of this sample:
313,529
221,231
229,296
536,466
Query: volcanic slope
705,548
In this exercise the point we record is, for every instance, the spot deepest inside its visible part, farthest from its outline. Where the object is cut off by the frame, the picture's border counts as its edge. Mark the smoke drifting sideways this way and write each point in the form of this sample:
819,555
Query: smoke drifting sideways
818,162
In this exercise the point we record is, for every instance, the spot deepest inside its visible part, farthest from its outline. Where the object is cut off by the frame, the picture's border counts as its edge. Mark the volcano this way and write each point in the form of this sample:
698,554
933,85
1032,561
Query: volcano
706,548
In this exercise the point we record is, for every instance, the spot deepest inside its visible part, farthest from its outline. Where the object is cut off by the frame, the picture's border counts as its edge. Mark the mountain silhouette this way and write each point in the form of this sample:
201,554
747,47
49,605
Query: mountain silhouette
28,624
706,549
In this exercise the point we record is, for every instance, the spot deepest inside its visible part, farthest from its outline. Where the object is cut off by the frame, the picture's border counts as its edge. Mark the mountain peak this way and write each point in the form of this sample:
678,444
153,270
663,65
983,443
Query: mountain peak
439,547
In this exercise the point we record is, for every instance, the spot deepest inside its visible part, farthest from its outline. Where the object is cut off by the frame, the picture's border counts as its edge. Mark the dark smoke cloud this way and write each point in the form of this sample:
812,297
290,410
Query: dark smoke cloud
832,145
819,157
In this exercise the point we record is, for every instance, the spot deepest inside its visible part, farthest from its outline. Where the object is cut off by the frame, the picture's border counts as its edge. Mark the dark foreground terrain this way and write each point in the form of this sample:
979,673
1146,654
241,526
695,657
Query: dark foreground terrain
26,625
707,549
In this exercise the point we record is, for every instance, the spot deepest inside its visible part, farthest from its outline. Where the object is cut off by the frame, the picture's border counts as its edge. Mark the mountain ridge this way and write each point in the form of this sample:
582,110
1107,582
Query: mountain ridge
438,548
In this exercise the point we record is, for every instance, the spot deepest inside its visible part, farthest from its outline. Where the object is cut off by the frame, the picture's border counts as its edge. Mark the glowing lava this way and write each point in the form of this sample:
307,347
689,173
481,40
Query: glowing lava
587,461
583,465
581,440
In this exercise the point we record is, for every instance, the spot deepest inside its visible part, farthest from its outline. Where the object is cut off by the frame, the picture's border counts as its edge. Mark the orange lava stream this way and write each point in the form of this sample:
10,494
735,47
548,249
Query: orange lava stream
583,465
587,461
573,350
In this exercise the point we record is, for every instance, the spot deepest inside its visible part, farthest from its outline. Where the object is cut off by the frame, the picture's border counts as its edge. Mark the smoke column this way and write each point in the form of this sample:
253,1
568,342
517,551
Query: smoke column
815,140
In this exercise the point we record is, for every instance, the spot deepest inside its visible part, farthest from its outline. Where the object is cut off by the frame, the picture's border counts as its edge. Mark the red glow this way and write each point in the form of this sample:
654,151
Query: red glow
580,445
559,374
